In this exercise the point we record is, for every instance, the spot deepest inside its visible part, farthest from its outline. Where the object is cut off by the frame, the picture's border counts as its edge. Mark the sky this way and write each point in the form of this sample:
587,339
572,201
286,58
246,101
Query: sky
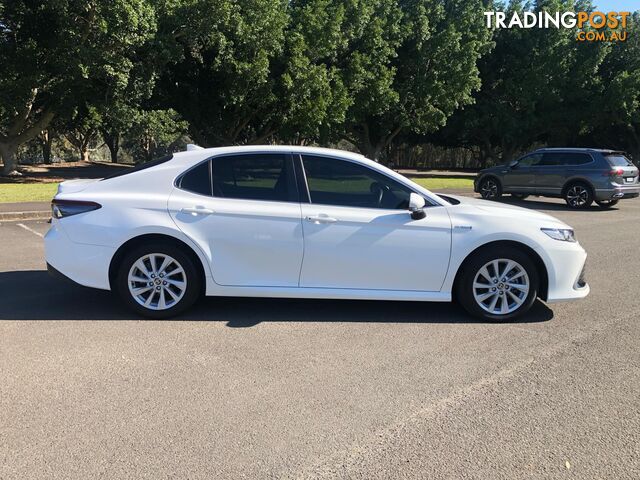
617,5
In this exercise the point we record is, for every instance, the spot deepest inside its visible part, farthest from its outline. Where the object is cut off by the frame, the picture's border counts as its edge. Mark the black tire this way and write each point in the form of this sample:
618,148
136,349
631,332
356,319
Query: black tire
474,264
519,196
578,195
490,188
191,274
606,204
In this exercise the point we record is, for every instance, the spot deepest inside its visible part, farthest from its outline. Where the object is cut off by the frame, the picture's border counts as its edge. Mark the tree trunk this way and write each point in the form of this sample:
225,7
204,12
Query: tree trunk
113,143
8,154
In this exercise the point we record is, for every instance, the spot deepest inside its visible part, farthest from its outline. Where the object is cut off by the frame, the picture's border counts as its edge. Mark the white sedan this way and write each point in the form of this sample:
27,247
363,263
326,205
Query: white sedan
298,222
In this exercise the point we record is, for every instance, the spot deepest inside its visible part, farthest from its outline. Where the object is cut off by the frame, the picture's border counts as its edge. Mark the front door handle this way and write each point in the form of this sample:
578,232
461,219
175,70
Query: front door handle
317,219
197,211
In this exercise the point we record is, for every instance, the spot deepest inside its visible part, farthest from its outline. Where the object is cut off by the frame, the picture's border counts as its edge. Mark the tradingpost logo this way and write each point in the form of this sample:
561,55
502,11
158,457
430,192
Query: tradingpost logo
592,26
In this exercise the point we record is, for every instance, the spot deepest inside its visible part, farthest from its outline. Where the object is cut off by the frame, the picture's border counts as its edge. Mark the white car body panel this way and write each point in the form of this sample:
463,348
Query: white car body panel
268,249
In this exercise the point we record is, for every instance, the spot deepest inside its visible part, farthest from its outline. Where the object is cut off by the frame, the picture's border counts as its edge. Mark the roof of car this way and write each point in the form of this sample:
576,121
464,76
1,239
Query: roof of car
269,148
576,149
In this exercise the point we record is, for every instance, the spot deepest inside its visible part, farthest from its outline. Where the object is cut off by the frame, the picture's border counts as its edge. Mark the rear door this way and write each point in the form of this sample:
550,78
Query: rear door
558,167
247,218
520,178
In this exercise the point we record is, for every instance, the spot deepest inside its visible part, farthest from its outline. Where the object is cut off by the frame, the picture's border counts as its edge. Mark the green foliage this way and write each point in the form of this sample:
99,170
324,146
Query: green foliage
155,133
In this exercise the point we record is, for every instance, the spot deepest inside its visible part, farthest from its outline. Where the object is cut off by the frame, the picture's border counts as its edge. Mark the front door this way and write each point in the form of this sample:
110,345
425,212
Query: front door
521,177
243,210
358,233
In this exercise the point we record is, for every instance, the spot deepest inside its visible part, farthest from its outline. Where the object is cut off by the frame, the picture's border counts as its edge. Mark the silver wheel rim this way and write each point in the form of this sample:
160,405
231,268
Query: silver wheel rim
489,189
577,196
501,286
157,281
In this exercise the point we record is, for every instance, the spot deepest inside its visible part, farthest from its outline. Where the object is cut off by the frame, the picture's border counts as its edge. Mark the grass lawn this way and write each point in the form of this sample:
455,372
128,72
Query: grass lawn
43,192
27,192
445,182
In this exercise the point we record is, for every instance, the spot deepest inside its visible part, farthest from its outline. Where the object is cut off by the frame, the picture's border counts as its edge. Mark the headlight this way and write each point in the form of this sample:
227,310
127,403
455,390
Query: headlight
562,234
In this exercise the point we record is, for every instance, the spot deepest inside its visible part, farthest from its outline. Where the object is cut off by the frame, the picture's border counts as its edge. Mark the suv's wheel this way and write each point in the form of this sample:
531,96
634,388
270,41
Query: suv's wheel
490,188
578,195
158,280
519,196
498,286
605,204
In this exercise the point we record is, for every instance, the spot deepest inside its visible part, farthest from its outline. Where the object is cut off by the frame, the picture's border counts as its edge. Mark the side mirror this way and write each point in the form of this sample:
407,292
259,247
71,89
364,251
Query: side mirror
416,206
513,163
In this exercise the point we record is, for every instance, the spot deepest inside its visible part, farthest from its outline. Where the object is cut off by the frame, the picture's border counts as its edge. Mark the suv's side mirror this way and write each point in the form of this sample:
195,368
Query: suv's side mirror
513,163
416,206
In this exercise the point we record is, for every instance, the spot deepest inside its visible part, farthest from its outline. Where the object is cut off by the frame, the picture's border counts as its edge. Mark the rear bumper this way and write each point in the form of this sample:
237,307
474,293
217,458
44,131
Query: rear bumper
618,192
87,265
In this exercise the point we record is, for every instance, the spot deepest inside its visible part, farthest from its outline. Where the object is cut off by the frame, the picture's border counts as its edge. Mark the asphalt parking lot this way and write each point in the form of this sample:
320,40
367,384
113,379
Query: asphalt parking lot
250,388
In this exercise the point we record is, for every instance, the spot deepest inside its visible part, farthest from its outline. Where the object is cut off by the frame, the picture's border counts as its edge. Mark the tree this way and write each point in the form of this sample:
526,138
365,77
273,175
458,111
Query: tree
55,53
220,54
409,68
155,133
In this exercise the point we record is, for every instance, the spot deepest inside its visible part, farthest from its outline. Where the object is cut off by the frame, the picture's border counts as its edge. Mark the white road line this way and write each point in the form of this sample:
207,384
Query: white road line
22,225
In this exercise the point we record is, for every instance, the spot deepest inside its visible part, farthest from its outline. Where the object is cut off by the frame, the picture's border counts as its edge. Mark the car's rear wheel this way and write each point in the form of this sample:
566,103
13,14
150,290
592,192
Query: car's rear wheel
498,286
490,188
605,204
519,196
158,280
578,196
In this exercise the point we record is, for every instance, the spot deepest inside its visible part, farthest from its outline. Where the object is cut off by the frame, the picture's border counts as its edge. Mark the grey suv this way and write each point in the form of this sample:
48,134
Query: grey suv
579,175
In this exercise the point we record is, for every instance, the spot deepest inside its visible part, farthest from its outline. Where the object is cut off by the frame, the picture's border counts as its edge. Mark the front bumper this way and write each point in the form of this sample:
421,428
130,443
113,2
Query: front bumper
566,273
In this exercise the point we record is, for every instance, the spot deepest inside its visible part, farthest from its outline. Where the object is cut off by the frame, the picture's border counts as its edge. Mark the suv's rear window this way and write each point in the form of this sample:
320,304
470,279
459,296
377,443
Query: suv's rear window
618,160
142,166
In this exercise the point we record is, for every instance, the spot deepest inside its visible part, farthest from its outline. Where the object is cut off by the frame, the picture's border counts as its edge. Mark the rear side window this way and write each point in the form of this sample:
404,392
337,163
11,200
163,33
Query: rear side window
142,166
339,182
198,179
618,160
266,177
562,159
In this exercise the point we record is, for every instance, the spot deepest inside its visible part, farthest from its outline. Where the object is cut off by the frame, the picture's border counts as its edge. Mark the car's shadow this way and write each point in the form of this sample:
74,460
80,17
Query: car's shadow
34,295
547,204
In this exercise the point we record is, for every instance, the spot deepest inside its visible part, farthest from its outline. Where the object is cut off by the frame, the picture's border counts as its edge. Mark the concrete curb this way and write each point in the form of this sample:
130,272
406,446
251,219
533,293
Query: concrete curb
12,216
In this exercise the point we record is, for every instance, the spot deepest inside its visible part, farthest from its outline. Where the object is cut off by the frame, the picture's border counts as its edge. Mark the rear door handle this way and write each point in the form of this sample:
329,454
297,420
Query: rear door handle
317,219
197,211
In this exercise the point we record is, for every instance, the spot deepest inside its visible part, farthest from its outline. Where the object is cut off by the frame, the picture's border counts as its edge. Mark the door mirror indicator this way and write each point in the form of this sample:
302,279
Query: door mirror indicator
416,206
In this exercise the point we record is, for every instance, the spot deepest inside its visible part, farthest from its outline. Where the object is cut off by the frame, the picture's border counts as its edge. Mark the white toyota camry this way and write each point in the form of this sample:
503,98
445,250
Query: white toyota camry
301,222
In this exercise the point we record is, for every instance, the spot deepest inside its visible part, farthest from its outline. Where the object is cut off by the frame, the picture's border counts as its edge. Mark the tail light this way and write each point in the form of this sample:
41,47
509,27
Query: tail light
67,208
614,173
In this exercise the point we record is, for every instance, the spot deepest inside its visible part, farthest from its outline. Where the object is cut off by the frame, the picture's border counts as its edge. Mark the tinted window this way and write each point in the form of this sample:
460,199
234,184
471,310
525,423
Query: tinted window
530,160
253,177
142,166
618,160
338,182
197,180
565,159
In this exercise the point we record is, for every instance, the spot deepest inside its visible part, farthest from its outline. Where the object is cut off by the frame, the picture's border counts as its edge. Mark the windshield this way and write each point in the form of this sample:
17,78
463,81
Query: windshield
618,160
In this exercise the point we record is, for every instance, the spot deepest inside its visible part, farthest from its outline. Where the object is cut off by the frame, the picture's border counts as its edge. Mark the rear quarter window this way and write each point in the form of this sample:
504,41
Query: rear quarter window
140,167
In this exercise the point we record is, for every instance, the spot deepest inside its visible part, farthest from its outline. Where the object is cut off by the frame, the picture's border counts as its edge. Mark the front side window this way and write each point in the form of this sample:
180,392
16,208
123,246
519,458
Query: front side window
253,177
338,182
530,160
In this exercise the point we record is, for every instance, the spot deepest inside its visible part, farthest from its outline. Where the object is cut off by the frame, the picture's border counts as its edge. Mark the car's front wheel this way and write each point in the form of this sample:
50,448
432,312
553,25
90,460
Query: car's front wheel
498,285
158,280
490,188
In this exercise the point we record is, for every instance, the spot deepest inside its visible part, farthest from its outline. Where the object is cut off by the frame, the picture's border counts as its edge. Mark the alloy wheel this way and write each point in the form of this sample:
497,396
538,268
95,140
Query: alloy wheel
577,196
157,281
501,286
489,189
